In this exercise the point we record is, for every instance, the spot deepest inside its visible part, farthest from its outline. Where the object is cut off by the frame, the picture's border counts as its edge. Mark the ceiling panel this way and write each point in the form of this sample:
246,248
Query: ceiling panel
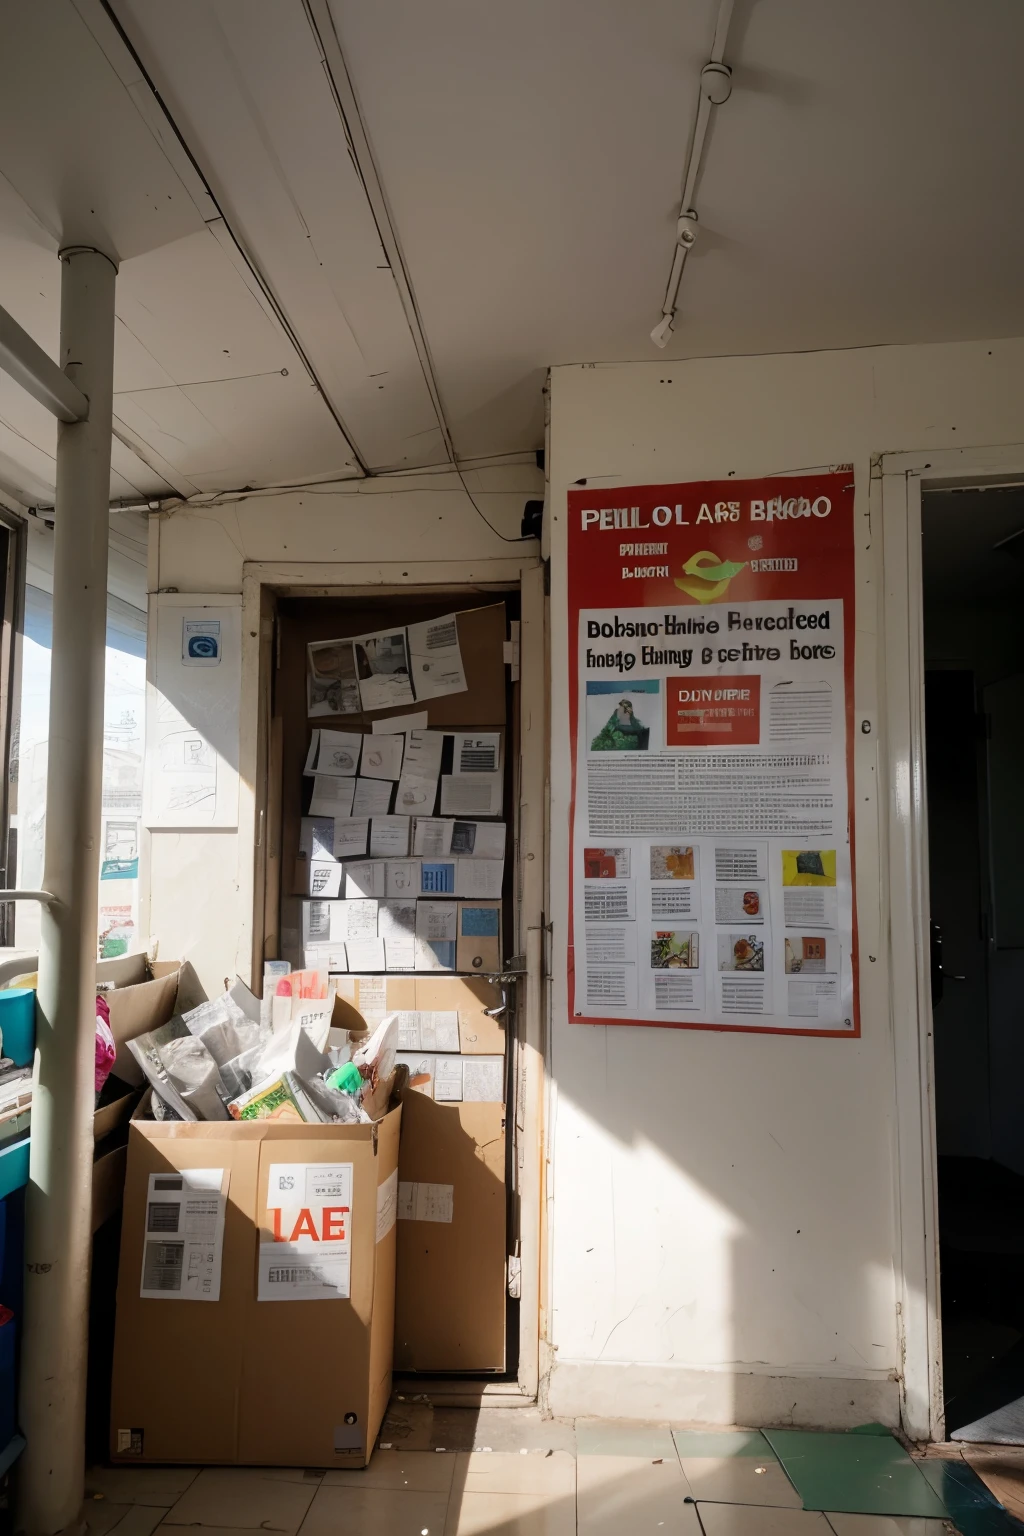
859,187
245,83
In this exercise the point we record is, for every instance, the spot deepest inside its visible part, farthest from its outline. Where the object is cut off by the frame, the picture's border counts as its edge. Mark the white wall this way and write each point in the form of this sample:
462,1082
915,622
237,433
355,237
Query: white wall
191,879
723,1220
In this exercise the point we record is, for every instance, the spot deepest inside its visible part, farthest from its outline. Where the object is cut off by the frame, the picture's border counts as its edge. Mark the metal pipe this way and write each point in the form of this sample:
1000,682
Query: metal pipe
46,897
27,363
59,1195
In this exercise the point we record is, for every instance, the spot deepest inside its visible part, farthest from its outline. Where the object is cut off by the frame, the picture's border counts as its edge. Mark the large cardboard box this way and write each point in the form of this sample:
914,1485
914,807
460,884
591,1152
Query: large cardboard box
451,1292
238,1380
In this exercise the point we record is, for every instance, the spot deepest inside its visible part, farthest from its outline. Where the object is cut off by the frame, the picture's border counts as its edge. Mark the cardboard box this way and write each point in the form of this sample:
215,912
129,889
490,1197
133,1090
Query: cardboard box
162,989
451,1290
468,996
237,1380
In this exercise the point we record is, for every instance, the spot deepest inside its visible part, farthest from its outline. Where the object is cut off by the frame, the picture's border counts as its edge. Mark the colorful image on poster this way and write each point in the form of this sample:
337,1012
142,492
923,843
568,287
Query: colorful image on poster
672,950
808,866
624,718
673,862
740,952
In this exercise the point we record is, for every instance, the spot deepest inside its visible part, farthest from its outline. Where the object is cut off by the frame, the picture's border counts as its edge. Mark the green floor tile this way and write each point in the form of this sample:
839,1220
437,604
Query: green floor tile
608,1437
854,1474
720,1442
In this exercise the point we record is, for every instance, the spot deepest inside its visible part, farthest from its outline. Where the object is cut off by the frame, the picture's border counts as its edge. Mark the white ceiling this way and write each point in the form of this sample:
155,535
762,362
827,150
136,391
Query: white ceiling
860,187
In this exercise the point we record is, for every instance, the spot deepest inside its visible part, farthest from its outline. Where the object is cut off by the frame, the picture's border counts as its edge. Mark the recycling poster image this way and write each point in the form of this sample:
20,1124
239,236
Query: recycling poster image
711,642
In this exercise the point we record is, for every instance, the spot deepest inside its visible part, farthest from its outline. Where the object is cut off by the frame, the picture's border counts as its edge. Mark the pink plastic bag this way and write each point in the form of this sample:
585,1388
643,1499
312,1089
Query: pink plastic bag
106,1050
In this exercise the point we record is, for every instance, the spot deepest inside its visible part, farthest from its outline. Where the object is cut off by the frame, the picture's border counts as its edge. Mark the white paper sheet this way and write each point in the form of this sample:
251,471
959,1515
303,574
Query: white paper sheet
389,837
396,925
423,754
351,836
414,722
365,954
478,839
448,1079
483,1079
294,1265
337,755
382,665
382,757
402,877
477,753
316,837
432,837
426,1202
357,920
479,877
372,797
416,796
436,658
331,796
331,685
428,1030
365,877
436,928
324,878
471,794
184,1241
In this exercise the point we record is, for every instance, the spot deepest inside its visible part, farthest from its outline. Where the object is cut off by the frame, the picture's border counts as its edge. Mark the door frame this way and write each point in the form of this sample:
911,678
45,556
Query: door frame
897,483
262,583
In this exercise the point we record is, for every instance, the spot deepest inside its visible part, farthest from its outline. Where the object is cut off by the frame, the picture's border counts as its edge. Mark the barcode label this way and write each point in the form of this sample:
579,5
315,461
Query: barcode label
441,636
281,1276
163,1216
163,1266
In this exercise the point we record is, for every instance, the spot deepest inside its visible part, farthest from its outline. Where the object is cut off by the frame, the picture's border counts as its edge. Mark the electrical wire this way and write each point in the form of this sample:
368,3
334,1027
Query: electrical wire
528,538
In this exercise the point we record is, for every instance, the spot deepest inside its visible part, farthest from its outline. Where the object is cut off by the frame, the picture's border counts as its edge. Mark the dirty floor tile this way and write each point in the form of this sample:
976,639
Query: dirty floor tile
617,1494
885,1525
553,1474
749,1520
140,1520
375,1512
101,1515
622,1437
1001,1469
246,1498
740,1480
158,1486
718,1443
509,1514
855,1474
404,1471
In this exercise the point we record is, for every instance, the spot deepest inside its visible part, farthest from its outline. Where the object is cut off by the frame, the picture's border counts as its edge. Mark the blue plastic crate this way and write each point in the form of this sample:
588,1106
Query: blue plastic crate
13,1169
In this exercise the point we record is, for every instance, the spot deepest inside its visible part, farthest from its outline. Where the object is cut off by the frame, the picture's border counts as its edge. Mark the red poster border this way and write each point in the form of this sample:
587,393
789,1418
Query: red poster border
838,485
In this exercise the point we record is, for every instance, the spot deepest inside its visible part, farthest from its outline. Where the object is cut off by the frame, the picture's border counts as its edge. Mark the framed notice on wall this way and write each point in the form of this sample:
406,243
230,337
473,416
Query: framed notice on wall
711,639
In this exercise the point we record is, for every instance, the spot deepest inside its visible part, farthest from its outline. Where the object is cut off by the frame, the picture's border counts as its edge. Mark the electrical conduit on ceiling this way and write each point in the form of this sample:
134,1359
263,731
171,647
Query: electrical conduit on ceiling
715,88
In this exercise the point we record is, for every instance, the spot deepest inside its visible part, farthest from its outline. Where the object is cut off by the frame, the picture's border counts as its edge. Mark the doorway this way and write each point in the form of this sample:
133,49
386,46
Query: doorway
973,589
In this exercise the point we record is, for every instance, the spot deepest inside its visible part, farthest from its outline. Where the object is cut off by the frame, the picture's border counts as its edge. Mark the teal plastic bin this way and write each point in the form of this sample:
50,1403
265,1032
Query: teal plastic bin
13,1168
18,1024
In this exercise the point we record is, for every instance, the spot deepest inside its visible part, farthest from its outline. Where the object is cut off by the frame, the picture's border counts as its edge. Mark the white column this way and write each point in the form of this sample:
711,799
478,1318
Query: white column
59,1199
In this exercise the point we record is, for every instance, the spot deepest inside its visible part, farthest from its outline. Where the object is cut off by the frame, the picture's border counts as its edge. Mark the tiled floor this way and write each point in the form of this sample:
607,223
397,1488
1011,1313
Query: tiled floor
593,1478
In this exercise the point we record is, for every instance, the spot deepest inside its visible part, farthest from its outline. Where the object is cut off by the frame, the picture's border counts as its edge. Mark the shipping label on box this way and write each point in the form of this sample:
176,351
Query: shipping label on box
426,1202
184,1243
307,1254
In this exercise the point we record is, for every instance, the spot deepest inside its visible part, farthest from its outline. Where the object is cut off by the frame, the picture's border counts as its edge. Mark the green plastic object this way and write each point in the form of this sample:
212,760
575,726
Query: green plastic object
346,1078
855,1474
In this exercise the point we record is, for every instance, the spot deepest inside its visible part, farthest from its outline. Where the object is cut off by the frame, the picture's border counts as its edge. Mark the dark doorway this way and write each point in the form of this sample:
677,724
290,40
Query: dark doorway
973,559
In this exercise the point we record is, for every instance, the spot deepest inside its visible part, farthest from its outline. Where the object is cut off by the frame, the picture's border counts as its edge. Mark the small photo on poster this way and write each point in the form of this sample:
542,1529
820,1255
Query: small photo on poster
382,667
808,866
624,717
676,861
740,952
811,954
674,950
606,863
740,904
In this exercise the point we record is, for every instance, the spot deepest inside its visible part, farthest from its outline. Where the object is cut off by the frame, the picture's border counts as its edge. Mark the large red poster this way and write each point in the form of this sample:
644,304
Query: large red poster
711,644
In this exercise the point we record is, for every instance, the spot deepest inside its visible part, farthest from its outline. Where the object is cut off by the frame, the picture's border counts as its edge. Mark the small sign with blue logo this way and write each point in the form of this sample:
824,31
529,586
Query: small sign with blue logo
200,642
